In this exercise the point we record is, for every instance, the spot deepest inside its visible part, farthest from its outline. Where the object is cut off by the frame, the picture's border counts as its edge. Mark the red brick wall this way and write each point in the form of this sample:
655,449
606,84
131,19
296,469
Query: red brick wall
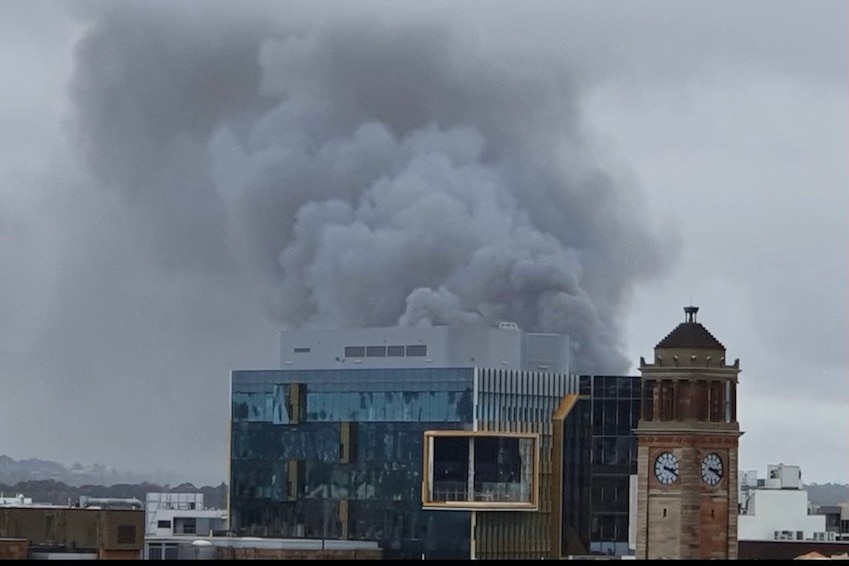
687,519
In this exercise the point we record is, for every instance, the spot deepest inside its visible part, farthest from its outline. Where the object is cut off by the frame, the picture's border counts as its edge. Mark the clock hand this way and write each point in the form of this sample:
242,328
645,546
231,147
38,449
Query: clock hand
668,469
714,470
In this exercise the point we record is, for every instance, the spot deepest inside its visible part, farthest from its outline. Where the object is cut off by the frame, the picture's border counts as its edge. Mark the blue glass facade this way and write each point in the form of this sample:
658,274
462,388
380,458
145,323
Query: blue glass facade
338,454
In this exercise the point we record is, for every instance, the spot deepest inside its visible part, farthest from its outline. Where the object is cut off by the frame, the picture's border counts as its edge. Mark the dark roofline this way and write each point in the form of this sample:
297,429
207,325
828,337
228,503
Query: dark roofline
690,334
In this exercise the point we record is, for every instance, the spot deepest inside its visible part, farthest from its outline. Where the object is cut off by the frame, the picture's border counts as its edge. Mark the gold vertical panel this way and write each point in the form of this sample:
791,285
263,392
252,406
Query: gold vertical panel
292,479
558,422
295,408
342,516
344,442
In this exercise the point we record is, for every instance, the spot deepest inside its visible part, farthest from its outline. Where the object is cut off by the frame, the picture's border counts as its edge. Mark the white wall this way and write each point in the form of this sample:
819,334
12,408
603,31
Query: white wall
447,346
773,510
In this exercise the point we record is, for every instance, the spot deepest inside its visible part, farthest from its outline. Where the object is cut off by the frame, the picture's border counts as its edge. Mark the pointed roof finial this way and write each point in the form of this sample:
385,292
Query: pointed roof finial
690,313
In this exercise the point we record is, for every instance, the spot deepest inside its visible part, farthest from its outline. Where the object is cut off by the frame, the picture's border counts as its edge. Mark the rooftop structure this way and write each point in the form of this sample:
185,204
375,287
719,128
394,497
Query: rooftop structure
16,501
170,514
505,347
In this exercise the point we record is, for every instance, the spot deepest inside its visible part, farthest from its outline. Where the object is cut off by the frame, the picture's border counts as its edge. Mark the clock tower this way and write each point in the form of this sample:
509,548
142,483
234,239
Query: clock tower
687,442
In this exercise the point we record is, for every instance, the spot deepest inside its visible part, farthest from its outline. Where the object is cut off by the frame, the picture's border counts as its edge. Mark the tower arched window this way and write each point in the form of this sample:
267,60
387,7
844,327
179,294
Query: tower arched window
716,403
667,401
683,401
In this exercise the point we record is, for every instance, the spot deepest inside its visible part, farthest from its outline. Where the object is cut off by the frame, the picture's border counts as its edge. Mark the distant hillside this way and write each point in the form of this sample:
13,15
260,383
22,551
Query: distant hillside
13,471
45,481
827,493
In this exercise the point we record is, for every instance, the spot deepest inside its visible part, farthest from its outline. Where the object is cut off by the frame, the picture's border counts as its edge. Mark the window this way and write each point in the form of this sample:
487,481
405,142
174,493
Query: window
598,450
126,534
355,351
154,552
280,404
608,387
681,395
302,350
163,524
715,401
667,401
376,351
395,351
609,418
417,350
480,470
625,419
185,526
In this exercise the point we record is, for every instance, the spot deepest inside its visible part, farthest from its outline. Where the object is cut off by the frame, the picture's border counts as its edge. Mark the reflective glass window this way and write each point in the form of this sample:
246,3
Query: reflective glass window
611,412
280,404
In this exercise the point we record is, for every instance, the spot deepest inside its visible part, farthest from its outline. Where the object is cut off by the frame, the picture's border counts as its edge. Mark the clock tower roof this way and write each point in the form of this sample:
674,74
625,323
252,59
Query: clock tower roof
690,334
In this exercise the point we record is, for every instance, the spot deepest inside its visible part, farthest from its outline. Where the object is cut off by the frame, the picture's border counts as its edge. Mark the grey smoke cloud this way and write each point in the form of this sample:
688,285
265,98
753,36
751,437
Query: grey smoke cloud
177,179
363,174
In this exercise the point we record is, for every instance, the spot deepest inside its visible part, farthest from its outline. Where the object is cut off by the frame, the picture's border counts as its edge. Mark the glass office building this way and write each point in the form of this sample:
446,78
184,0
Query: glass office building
615,410
338,454
433,462
406,457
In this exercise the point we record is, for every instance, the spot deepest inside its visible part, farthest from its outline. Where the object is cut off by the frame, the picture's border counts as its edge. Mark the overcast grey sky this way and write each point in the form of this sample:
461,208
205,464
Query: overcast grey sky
179,181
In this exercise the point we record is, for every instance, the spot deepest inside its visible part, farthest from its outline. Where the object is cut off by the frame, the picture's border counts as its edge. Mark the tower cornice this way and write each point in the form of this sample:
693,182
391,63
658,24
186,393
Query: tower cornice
684,373
678,429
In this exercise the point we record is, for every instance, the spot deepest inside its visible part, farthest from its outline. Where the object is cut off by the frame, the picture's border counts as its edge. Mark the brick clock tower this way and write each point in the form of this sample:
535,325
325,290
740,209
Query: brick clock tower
687,439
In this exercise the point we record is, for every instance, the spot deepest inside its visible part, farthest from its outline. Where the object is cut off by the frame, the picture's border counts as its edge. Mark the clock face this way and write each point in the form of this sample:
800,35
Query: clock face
712,469
666,468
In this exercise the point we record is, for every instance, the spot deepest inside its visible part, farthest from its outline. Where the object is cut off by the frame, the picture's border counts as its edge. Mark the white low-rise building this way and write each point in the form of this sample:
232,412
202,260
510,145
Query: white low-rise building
777,508
17,501
174,514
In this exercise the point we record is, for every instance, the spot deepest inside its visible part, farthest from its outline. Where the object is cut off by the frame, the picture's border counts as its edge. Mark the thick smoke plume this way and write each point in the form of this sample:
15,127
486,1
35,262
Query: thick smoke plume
361,172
